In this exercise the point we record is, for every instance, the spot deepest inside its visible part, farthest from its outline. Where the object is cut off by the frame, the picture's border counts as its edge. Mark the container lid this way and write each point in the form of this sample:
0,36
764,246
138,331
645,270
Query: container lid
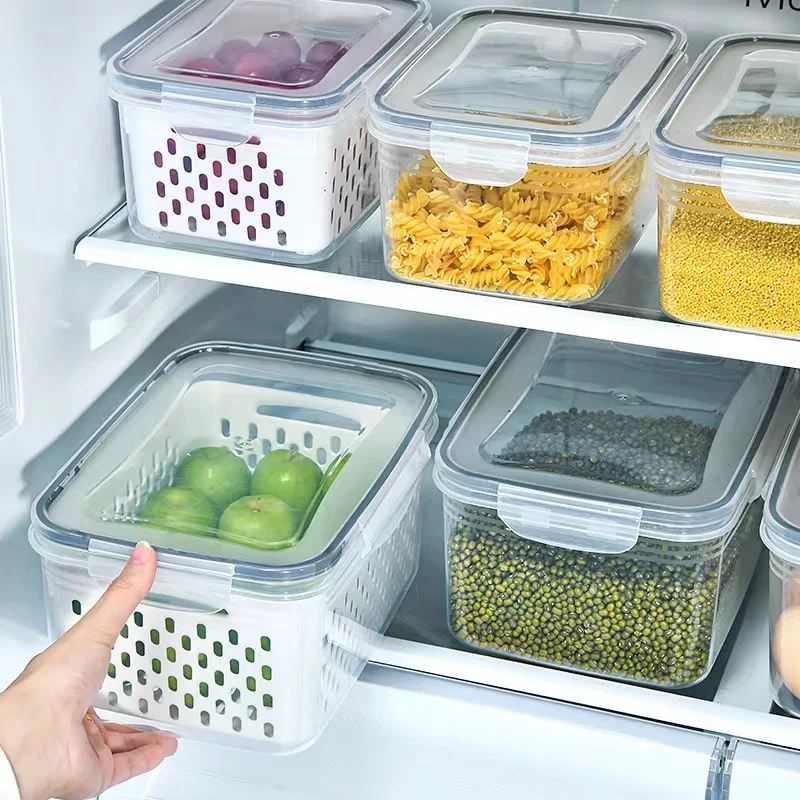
588,444
250,400
780,528
735,123
509,86
236,59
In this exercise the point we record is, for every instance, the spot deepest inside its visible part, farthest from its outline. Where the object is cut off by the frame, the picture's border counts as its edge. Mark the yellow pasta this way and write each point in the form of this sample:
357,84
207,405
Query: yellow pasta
555,235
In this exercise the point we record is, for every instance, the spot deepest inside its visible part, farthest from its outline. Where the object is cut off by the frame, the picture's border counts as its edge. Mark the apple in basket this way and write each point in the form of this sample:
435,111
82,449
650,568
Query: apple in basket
181,509
259,521
216,473
289,476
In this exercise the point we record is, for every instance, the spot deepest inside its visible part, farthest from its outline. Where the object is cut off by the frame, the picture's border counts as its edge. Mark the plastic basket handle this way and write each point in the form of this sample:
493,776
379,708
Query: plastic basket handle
182,583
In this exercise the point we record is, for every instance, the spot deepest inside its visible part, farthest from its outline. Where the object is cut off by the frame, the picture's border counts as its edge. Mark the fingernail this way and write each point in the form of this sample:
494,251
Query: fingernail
141,553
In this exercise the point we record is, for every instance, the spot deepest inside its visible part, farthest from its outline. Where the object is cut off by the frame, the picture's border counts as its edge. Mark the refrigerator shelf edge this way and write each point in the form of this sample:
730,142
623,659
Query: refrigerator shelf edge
627,313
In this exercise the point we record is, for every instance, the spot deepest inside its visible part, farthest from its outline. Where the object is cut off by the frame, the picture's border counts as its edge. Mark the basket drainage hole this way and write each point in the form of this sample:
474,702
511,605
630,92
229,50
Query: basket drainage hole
237,724
141,676
269,730
205,718
76,607
225,427
219,706
143,706
250,655
266,447
192,224
169,624
281,238
125,659
252,713
322,455
173,712
267,700
112,698
140,649
158,695
308,440
127,688
266,644
280,436
236,695
336,444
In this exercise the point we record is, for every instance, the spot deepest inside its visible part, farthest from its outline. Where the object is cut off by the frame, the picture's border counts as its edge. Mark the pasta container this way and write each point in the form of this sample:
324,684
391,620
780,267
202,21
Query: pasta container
727,154
512,150
602,504
780,531
244,126
236,643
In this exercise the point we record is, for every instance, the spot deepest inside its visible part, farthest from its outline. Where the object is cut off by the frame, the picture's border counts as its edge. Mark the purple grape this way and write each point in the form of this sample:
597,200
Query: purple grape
231,53
258,65
303,75
325,54
282,47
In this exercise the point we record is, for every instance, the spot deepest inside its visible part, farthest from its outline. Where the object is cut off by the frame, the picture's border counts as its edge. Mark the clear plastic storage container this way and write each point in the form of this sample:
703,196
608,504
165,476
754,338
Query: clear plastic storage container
727,153
780,531
244,121
602,504
254,631
513,150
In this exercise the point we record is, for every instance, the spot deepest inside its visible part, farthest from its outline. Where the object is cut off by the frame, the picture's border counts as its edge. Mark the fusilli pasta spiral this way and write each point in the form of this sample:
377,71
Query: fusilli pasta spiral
554,235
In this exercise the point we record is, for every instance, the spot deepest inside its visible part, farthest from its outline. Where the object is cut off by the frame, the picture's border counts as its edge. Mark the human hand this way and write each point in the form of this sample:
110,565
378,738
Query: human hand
52,737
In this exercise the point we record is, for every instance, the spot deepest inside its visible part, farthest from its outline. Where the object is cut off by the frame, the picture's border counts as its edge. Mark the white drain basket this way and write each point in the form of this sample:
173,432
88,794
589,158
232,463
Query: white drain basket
216,651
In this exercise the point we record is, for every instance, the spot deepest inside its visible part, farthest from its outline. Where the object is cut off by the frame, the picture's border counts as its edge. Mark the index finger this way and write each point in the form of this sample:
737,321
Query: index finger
103,622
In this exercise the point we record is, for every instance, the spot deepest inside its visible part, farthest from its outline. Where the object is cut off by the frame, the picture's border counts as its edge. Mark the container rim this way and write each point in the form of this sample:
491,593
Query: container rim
550,147
687,525
779,535
700,164
126,86
424,421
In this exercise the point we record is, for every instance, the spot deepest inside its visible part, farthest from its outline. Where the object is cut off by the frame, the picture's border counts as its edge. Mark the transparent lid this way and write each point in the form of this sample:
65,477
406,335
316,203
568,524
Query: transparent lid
543,86
735,123
294,56
586,444
267,462
781,527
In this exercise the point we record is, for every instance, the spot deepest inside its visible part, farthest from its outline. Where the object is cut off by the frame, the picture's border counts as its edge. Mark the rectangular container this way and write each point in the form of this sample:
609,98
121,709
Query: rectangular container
231,142
780,531
513,150
257,647
727,154
602,504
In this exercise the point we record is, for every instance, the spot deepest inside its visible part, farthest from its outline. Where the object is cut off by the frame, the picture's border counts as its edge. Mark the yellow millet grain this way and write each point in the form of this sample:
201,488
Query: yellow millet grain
758,130
721,269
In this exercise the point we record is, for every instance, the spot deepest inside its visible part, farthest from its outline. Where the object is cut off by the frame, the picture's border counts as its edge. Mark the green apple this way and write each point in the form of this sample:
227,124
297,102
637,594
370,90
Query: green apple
215,472
289,476
178,508
259,521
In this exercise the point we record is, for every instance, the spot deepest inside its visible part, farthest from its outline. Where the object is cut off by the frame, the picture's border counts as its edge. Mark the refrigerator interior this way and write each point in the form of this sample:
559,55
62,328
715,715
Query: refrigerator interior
428,719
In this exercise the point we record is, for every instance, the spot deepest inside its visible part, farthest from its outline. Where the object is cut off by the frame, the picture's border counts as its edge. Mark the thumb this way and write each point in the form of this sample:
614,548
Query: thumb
103,622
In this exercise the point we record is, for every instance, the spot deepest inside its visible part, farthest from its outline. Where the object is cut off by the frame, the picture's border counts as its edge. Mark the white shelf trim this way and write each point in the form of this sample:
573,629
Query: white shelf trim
106,245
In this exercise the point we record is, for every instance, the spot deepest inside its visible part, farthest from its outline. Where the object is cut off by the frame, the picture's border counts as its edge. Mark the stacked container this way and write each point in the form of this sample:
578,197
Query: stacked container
602,504
781,534
244,121
513,150
258,646
727,153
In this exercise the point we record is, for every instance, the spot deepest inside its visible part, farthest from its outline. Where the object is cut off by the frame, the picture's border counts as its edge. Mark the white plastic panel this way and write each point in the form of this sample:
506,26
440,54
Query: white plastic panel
756,771
405,736
9,386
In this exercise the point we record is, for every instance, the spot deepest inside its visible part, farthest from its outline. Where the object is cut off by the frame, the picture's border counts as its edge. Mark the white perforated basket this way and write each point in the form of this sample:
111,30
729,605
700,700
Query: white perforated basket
214,650
294,191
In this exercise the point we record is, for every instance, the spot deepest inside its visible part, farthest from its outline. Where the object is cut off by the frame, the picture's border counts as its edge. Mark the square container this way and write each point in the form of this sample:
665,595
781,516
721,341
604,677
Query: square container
257,647
229,143
513,150
727,154
602,504
780,531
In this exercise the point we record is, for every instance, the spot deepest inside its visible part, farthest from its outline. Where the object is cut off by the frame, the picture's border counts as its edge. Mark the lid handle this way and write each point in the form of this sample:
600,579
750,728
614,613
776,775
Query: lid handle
183,583
766,192
572,523
498,159
198,114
